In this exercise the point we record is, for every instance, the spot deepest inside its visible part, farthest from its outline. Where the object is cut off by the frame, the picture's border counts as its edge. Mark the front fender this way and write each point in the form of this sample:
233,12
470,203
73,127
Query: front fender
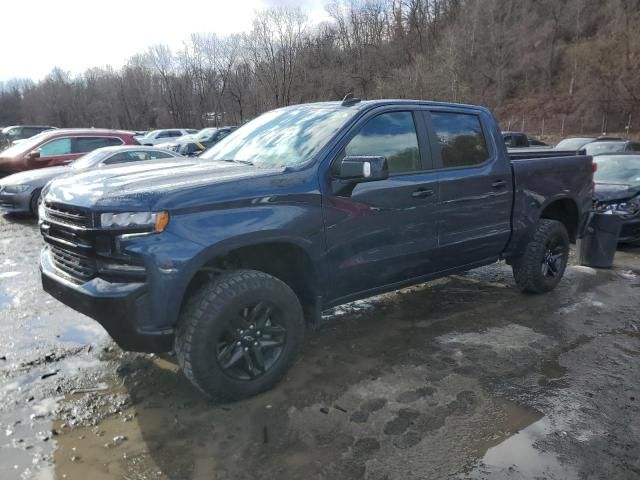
174,257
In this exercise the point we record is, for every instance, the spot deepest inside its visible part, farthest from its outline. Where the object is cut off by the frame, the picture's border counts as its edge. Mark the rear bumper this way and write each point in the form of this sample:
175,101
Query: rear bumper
119,307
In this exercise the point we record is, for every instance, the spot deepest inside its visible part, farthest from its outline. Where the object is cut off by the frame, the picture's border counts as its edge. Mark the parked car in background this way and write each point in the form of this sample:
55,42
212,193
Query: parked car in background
194,144
154,137
60,146
16,133
578,143
225,258
20,192
521,140
611,146
617,191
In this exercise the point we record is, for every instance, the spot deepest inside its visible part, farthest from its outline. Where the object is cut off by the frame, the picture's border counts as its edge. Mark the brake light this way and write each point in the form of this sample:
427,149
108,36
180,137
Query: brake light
594,167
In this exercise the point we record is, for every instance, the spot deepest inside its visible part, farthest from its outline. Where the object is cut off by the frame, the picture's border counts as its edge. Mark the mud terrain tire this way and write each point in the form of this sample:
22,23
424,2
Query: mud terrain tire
542,265
226,322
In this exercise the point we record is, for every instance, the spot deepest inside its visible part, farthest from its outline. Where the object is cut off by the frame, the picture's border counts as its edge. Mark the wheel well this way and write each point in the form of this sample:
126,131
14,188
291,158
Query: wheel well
564,211
285,261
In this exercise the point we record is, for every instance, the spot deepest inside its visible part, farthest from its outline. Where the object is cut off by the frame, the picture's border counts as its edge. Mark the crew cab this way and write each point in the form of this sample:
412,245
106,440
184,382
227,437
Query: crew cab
227,258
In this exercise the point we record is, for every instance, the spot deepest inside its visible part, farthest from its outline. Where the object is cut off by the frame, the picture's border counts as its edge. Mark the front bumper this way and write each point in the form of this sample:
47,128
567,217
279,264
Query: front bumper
119,307
15,202
630,230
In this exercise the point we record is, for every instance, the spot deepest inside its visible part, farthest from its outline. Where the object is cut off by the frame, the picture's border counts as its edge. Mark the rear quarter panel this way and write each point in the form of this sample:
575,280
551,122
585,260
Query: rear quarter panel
539,182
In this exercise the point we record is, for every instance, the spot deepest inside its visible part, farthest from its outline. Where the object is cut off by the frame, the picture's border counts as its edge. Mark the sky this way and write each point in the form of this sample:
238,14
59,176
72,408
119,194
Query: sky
37,35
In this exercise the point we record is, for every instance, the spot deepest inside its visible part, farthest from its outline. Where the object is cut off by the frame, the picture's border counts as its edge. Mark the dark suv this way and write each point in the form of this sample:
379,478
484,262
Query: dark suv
15,133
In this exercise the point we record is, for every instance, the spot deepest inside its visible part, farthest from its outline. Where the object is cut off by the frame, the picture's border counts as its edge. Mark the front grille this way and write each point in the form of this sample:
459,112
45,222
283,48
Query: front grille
68,215
77,266
78,250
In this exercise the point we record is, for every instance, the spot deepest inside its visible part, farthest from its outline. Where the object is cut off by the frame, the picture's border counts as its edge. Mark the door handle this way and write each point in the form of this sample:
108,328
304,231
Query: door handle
498,184
422,193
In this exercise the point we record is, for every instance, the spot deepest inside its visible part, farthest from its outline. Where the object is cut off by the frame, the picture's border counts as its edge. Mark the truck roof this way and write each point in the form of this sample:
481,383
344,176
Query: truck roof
367,104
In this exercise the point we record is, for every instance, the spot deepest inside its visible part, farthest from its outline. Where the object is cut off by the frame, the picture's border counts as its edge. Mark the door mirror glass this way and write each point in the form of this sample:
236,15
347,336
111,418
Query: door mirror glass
357,169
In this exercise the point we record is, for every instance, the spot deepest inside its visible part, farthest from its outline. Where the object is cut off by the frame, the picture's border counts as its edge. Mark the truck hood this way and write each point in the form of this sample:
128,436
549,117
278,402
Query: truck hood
143,184
607,192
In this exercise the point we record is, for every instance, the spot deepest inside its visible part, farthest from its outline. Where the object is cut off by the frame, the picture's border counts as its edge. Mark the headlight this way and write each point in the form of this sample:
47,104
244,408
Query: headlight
628,208
15,188
156,221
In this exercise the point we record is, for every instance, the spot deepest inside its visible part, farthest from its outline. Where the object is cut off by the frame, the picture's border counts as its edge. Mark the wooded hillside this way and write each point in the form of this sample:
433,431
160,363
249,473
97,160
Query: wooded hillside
562,66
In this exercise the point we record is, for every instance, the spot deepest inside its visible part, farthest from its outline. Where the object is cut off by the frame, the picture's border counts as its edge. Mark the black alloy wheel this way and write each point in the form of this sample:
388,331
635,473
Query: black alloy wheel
252,343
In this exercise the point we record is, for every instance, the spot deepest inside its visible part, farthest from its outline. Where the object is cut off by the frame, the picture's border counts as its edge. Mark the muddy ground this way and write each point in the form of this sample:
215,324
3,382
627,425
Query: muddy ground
461,378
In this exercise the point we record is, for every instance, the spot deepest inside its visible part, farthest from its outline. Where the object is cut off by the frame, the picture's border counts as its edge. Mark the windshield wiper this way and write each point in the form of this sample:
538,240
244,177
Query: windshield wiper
235,160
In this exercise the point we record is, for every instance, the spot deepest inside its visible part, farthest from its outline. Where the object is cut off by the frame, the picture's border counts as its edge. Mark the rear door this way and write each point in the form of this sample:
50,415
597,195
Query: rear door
382,232
475,187
82,145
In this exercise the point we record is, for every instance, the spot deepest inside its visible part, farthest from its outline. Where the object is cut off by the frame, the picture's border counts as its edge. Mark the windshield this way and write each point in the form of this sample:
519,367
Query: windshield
281,138
620,169
598,148
205,134
573,143
90,159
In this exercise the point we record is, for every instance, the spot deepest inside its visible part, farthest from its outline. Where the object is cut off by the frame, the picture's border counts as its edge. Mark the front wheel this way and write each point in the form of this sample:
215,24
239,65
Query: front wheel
34,203
239,334
542,265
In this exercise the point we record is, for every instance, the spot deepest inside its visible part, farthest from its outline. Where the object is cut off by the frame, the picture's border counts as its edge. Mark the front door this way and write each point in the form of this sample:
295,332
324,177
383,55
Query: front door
383,232
54,152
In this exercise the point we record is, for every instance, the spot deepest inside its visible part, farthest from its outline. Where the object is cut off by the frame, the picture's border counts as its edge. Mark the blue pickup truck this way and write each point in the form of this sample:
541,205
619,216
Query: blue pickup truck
229,257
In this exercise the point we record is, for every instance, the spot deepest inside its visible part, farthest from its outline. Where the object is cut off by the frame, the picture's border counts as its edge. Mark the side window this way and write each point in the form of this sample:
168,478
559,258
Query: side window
59,146
634,147
392,135
163,134
31,131
88,144
508,140
125,157
460,138
155,155
175,133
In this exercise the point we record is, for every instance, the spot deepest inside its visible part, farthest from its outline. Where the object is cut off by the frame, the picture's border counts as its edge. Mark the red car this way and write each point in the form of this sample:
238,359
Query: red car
57,147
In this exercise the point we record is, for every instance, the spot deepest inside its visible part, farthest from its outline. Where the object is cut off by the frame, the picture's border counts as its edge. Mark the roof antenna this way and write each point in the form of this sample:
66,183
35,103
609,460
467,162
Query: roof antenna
349,99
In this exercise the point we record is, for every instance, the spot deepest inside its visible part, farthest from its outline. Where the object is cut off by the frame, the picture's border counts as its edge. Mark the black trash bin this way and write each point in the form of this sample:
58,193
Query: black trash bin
598,245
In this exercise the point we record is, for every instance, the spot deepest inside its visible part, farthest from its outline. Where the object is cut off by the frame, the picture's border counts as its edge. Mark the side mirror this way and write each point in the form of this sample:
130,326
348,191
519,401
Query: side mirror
33,155
363,169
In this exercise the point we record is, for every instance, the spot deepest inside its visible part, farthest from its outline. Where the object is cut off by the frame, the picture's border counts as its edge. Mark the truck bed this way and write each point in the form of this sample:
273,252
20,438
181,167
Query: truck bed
540,180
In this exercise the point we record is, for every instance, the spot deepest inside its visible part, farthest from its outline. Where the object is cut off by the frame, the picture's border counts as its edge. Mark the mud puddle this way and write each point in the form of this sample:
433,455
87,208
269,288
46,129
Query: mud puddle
518,458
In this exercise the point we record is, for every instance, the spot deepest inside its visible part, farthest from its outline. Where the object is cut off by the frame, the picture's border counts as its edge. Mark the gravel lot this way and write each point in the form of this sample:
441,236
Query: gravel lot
459,378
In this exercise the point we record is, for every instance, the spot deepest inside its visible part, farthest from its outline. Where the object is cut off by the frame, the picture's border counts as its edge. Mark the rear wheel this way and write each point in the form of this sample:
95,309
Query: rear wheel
239,334
542,265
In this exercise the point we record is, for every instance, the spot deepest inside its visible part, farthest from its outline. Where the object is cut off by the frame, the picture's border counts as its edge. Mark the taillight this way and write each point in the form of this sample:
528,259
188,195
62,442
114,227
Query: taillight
594,167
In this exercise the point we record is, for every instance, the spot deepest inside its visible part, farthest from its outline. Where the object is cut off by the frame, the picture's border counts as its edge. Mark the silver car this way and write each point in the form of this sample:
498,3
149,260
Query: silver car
20,192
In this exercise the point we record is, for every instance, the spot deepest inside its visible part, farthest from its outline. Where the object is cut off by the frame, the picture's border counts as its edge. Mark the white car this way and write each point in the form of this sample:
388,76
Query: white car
154,137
